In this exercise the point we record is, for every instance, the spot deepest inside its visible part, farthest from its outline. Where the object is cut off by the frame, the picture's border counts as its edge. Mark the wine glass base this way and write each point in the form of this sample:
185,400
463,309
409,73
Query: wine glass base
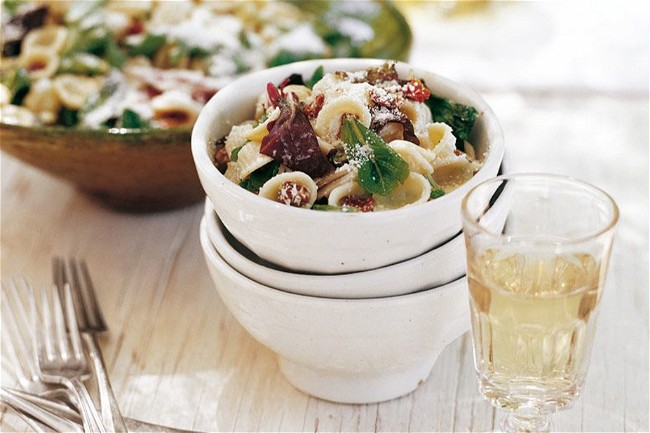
517,423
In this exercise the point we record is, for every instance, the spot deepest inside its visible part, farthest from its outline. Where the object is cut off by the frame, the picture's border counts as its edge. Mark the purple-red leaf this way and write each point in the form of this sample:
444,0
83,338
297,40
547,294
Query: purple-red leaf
291,138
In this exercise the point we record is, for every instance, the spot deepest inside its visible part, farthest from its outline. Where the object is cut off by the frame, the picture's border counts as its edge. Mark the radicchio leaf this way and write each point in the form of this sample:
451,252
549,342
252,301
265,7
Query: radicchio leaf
291,138
381,116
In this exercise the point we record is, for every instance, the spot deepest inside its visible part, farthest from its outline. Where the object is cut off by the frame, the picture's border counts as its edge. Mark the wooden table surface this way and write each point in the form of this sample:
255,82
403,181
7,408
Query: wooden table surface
571,91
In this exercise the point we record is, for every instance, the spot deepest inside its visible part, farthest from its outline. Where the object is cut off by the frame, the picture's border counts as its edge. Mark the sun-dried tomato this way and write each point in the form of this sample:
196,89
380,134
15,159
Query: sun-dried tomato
416,91
291,138
293,194
312,110
364,204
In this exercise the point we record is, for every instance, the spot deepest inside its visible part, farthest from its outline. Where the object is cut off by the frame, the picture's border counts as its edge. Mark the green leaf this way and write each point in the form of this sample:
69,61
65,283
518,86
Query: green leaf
132,120
113,55
315,77
148,47
460,117
18,83
259,177
68,118
83,63
234,155
284,57
436,190
380,168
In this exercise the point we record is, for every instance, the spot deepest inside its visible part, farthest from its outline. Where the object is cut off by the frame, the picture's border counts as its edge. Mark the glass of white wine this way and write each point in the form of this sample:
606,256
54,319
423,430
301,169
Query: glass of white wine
538,246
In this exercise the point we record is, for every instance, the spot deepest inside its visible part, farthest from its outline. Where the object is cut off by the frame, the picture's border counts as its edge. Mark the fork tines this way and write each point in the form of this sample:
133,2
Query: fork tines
75,272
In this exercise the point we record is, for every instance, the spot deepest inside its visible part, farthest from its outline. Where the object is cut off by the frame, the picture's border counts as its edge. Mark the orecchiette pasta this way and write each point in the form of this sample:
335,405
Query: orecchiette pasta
328,122
261,130
411,154
131,8
418,114
301,92
359,141
341,195
17,115
292,188
5,95
415,189
238,136
49,37
74,90
40,62
174,108
438,137
43,101
453,171
250,159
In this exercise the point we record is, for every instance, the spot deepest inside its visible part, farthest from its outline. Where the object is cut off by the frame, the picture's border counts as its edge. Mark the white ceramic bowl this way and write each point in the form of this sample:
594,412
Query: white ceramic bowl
345,350
332,242
434,268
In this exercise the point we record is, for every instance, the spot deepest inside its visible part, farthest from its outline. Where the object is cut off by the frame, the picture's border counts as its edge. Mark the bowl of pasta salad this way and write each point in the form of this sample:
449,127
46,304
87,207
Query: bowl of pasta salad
343,165
104,93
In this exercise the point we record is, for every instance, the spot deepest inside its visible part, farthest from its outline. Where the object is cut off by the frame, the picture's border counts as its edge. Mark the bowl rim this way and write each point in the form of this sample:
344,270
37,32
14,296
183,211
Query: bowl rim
215,226
214,259
201,138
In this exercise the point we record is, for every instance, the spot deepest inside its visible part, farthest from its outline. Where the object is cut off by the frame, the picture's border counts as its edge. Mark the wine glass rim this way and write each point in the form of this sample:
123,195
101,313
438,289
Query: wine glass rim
470,220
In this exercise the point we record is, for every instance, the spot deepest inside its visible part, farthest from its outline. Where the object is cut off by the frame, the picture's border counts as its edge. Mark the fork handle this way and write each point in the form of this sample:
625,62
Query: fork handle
89,413
108,403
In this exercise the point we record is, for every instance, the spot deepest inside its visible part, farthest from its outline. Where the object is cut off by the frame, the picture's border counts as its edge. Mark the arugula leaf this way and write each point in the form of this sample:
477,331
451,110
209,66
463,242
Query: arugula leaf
68,118
148,47
259,177
83,63
381,169
315,77
132,120
460,117
436,190
18,82
234,155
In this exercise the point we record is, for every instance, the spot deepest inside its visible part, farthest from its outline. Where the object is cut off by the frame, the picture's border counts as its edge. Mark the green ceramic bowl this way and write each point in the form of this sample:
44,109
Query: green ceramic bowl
144,171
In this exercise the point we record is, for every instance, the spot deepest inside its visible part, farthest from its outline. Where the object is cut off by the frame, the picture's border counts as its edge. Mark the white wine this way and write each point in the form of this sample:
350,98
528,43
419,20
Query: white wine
533,320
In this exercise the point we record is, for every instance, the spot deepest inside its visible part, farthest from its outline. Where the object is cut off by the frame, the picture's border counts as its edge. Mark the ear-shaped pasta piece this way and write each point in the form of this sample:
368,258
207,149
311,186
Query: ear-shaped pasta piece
349,191
5,95
48,37
453,171
250,159
293,188
170,12
74,90
131,8
411,154
329,120
439,138
40,62
261,130
237,136
232,173
174,108
301,92
418,113
415,189
17,115
43,100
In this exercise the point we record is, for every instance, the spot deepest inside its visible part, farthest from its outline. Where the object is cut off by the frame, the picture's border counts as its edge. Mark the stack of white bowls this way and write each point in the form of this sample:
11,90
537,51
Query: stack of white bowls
358,306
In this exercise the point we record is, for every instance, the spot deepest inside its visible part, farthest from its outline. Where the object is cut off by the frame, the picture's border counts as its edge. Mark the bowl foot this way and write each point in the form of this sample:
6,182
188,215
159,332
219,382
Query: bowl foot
356,387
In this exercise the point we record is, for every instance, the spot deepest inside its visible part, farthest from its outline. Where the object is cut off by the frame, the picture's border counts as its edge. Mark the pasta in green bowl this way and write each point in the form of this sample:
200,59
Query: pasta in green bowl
105,93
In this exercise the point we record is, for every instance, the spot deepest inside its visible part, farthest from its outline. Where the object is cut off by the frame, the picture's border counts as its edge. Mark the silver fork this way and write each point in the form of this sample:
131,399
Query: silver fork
60,357
91,323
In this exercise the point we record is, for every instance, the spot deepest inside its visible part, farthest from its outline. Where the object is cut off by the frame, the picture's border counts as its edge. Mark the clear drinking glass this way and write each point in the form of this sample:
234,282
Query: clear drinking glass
537,252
